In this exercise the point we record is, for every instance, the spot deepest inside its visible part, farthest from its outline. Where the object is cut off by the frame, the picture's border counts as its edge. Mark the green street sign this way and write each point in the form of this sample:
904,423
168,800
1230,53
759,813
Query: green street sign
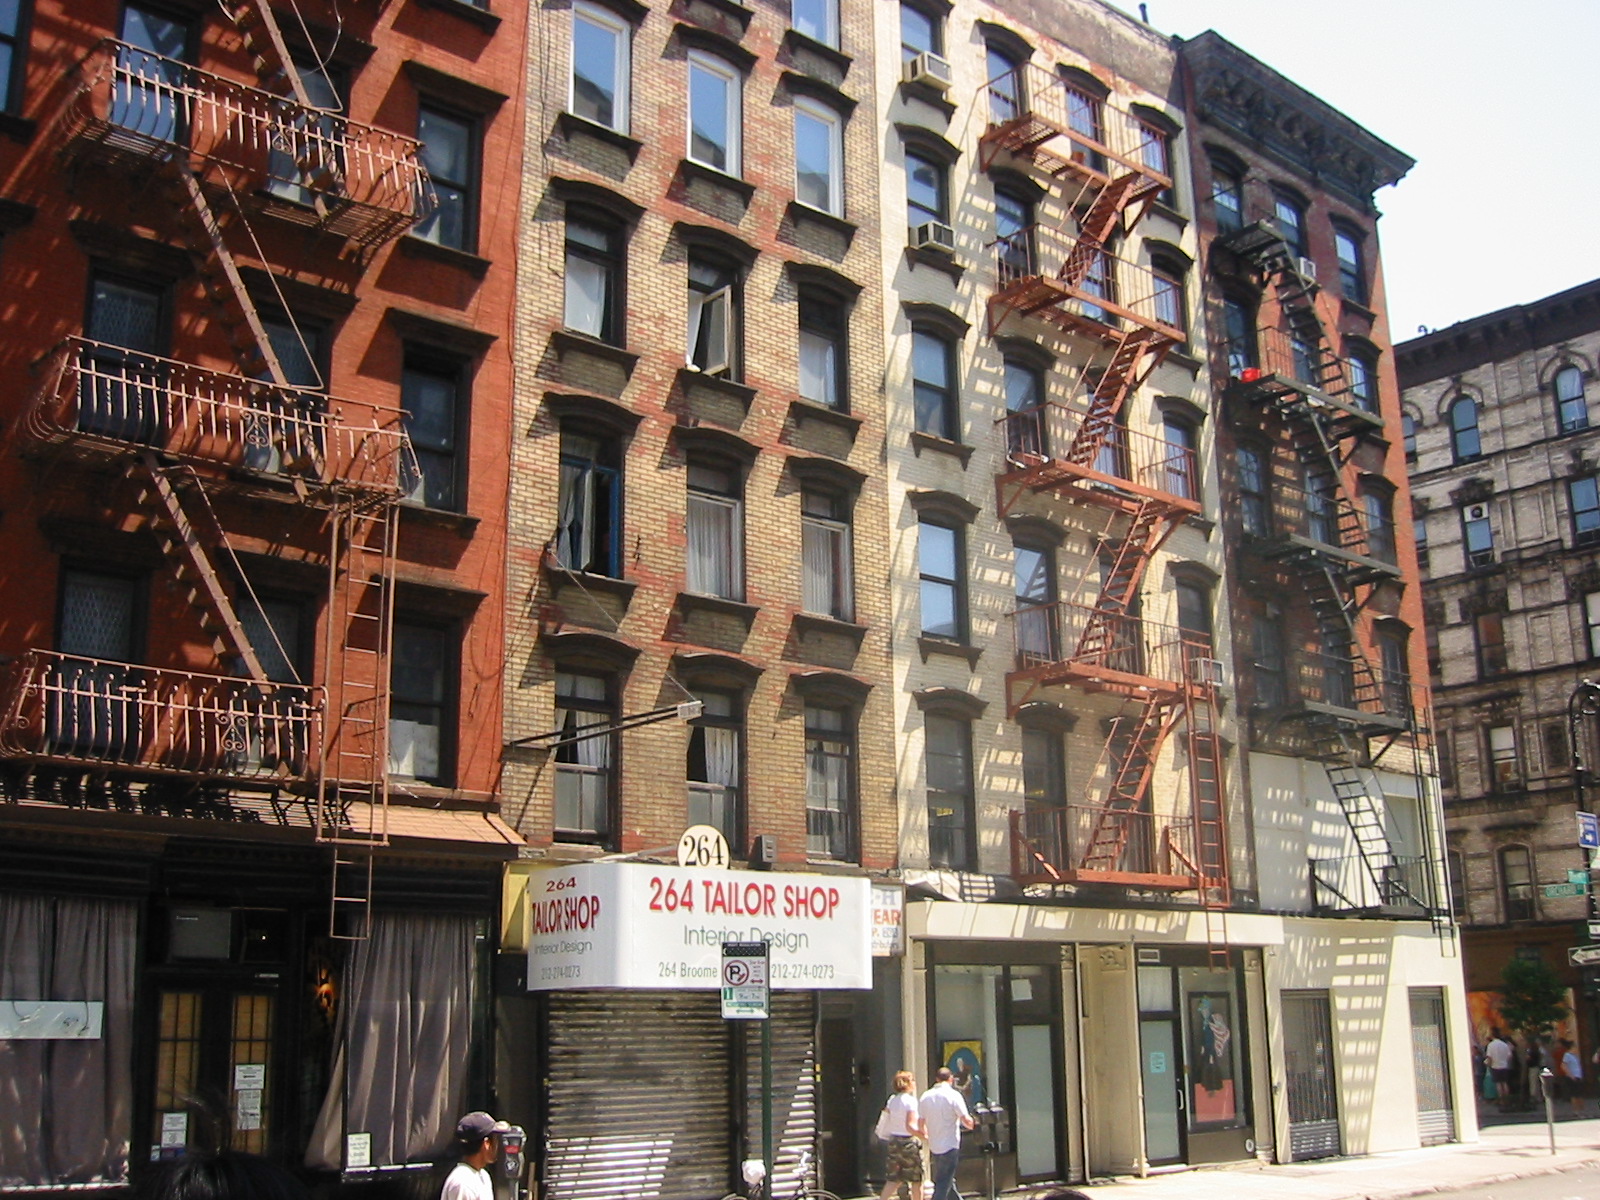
1555,891
1578,878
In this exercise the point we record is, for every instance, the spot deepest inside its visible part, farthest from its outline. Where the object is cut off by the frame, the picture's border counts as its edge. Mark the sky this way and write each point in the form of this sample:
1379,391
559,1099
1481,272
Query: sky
1499,103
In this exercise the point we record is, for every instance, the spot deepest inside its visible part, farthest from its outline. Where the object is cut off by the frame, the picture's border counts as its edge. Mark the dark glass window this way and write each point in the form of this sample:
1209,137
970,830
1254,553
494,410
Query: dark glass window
1269,665
1464,442
1036,619
1363,380
1352,274
1227,200
1044,769
933,373
450,153
1490,632
431,394
13,45
1239,329
948,767
585,766
1013,231
1516,883
1408,432
920,33
1584,497
715,763
1572,409
823,378
419,680
590,534
1254,502
926,191
830,783
1005,87
940,563
1289,217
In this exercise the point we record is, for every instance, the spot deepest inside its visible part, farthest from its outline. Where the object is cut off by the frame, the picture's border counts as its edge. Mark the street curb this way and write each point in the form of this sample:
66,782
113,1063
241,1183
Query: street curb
1486,1181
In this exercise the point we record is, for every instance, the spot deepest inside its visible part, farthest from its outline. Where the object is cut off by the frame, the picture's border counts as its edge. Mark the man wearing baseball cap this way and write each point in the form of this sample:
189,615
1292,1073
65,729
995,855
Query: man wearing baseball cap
476,1148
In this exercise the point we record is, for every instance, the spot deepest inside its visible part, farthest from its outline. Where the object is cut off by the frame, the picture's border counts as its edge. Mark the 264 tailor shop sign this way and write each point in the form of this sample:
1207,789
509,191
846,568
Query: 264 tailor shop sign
634,925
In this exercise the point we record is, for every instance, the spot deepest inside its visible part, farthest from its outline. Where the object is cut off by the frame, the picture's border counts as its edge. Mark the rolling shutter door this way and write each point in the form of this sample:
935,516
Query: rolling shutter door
638,1101
794,1086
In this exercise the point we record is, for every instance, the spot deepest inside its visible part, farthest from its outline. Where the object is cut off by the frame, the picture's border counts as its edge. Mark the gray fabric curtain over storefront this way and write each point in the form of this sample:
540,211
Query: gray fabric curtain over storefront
404,1043
66,1104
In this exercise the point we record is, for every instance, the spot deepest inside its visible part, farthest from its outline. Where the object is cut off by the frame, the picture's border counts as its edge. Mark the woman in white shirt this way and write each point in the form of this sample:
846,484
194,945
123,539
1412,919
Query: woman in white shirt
905,1151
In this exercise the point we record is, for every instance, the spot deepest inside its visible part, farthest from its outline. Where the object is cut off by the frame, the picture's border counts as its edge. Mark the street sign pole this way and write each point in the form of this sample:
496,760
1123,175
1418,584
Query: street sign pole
1583,718
747,996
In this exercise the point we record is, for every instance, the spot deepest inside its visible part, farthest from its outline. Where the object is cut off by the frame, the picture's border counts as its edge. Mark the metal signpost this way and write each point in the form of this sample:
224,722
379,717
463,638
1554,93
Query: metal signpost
746,996
1584,956
1583,719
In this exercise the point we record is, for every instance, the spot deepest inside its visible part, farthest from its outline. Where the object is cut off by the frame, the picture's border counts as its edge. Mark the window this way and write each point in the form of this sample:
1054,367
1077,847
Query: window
1516,883
715,112
713,320
449,152
1477,535
715,519
1591,622
1026,433
1227,199
933,372
1013,231
1363,371
306,150
1322,524
818,156
1379,512
1289,218
273,627
153,102
1005,86
1419,534
1239,329
600,66
948,766
1269,663
1557,754
830,782
1458,883
1034,574
1194,615
1255,511
1505,770
1178,434
828,588
920,33
823,377
1572,410
1396,682
594,277
817,19
1084,118
130,321
1170,309
585,766
1155,155
13,44
1585,500
1408,434
1464,441
926,192
419,675
716,739
940,559
1044,769
430,393
1352,274
589,538
1100,282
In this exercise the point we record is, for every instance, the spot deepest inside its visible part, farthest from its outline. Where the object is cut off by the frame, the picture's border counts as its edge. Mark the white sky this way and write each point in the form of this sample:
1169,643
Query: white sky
1499,103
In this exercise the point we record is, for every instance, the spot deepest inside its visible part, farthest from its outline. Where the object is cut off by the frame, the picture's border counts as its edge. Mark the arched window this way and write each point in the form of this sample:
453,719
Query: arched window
1464,441
1572,410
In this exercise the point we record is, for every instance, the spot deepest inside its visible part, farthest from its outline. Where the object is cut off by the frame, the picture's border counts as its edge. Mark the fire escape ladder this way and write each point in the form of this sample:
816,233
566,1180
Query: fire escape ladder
263,41
1095,227
184,540
1335,610
1138,352
1148,529
353,783
1210,820
1130,784
1343,763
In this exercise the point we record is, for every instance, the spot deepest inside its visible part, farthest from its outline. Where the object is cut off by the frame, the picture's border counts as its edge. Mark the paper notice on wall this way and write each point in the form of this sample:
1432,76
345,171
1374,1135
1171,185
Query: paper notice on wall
175,1129
357,1150
249,1075
54,1020
247,1109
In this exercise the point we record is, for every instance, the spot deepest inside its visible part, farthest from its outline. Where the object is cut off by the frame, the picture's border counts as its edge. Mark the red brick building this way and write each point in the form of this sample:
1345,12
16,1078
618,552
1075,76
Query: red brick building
256,380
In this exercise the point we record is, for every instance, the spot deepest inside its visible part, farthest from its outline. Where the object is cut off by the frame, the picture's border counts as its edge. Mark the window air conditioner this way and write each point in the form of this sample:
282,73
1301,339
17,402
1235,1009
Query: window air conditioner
1306,268
1477,512
930,69
1207,670
933,235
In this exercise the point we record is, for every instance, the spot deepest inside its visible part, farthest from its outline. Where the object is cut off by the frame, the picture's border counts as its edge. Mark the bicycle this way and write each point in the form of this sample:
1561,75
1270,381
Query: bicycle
804,1172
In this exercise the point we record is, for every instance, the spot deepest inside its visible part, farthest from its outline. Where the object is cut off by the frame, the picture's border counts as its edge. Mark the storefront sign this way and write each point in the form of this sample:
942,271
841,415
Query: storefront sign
888,920
57,1020
635,925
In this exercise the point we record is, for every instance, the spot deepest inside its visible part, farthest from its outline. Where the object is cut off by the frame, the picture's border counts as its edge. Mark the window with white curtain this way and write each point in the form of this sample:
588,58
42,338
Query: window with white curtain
822,349
713,317
589,535
830,766
713,766
419,672
584,765
715,520
825,549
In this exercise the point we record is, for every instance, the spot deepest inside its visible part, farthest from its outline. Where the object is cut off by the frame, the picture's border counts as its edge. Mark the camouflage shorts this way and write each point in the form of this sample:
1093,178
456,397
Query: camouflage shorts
905,1160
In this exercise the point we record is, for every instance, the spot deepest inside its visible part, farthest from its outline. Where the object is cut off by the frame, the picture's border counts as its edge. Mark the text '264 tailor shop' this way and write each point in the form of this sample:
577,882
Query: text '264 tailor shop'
643,1079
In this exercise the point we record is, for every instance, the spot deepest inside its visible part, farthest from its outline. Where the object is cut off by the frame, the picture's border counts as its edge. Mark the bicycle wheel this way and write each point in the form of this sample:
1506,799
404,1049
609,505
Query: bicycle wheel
816,1194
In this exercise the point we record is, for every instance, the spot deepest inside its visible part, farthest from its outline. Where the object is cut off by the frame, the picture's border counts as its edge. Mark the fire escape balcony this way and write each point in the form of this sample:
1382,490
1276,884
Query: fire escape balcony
1333,688
97,401
1074,283
1053,447
1403,886
88,714
1320,528
1276,370
1077,645
306,165
1036,115
1049,844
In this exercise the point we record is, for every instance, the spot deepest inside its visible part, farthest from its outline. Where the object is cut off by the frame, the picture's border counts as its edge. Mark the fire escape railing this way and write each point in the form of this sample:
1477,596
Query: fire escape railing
1048,440
1047,637
1043,271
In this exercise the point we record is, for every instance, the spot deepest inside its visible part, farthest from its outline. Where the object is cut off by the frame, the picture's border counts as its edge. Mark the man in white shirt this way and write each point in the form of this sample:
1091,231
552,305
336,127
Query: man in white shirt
1499,1053
476,1148
944,1115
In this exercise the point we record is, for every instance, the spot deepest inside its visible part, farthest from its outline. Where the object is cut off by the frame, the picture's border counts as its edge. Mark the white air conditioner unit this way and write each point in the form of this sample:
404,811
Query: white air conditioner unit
1477,512
933,235
1306,268
930,69
1207,670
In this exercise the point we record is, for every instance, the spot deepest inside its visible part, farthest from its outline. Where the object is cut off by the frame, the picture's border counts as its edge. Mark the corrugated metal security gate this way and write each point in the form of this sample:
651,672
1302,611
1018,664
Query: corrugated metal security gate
1436,1119
794,1086
1308,1065
639,1097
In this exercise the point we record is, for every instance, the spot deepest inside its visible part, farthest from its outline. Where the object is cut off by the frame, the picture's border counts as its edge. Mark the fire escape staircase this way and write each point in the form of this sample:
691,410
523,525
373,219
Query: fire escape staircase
1345,760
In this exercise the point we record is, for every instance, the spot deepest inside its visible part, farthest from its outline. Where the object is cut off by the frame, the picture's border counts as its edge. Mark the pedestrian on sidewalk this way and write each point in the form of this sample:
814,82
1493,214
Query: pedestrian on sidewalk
1571,1073
944,1115
904,1126
1499,1054
476,1147
1538,1060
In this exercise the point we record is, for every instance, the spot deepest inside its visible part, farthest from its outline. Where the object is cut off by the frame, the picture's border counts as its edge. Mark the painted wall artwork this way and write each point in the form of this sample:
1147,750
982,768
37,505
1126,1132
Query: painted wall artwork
965,1060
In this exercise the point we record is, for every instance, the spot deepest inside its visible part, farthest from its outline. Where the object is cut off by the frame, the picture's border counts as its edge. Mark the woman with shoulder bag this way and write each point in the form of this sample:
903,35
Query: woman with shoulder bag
899,1127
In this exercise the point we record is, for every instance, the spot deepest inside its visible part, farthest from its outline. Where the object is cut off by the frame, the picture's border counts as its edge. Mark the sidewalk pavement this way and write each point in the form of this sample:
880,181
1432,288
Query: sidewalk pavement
1502,1153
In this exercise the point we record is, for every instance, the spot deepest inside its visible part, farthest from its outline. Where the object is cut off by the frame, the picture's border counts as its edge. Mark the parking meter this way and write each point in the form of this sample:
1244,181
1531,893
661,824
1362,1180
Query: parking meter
511,1139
